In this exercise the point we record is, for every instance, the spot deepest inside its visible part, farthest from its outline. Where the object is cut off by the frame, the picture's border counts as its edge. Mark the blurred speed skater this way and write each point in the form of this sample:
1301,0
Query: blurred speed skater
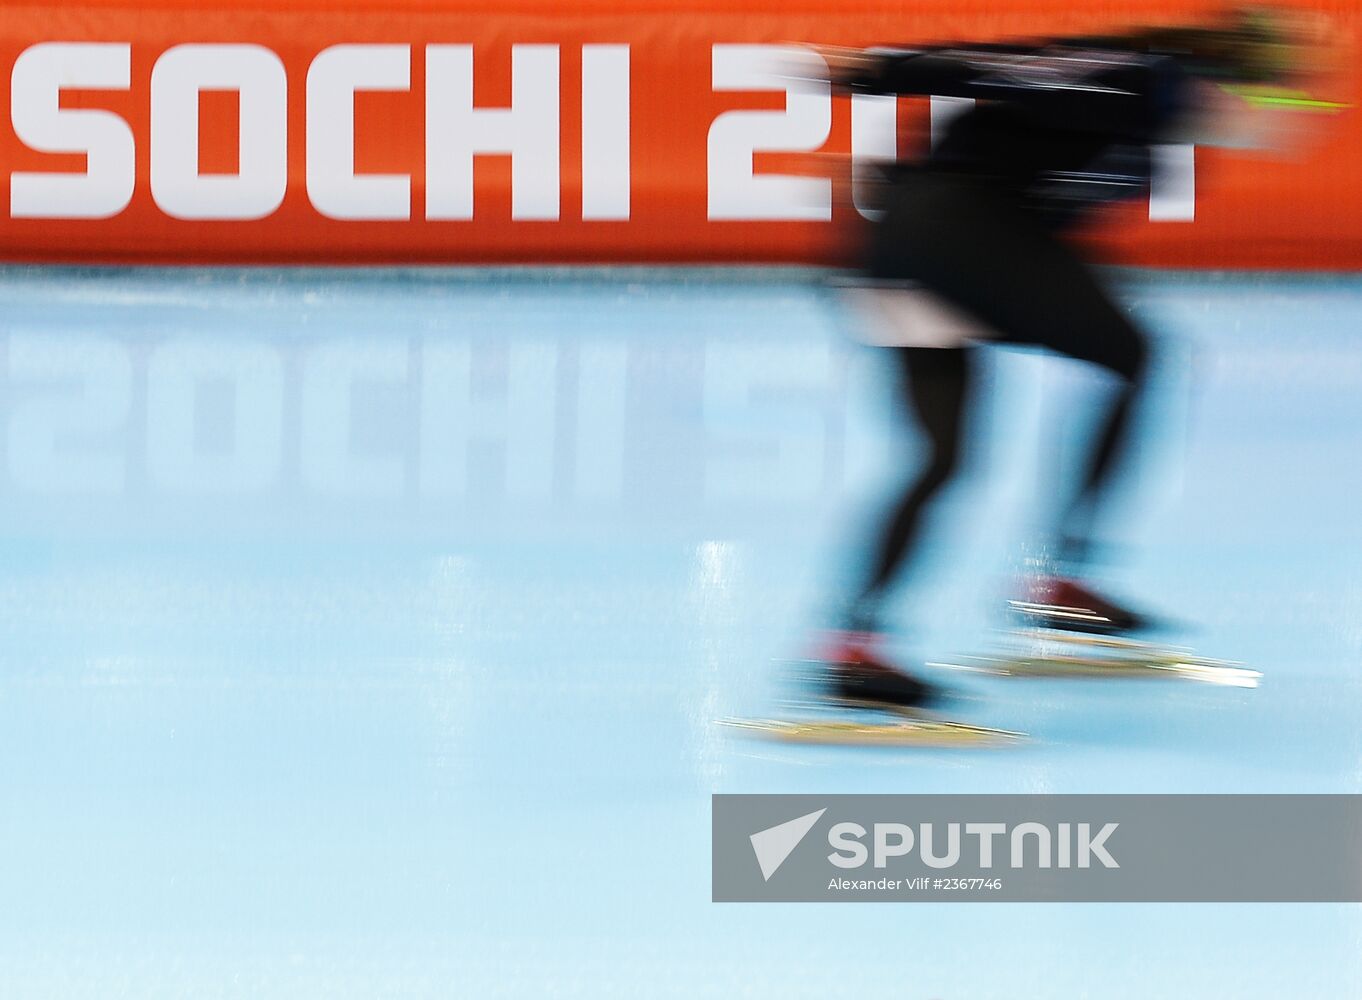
970,245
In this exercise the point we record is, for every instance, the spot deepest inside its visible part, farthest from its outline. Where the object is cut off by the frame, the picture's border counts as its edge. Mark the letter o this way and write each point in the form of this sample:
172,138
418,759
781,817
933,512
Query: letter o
180,75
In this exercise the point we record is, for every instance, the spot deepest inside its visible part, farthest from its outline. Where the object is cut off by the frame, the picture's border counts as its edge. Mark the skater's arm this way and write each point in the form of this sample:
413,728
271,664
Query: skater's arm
1081,91
903,71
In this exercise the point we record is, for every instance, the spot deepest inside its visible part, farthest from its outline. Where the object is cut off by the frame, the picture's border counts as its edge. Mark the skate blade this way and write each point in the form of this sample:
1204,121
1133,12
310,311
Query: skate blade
837,704
1053,653
1042,637
915,733
1038,615
1170,667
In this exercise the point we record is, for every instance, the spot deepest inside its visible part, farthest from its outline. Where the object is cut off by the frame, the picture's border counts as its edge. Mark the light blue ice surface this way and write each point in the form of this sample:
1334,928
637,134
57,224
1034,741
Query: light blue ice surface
364,633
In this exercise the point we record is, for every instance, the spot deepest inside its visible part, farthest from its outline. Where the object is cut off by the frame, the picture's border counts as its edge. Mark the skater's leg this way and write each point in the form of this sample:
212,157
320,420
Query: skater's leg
1091,328
935,383
1122,350
1031,287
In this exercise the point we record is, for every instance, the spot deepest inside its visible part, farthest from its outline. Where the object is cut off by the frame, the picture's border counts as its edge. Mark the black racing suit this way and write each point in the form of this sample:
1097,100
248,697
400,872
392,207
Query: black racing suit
1054,132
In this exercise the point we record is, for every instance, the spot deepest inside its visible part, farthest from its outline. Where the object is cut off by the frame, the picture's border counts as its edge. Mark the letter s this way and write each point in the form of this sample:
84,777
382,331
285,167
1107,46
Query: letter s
848,851
40,74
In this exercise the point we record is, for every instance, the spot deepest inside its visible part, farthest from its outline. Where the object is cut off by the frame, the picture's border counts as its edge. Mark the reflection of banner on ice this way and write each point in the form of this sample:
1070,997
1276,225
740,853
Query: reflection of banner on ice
325,131
441,396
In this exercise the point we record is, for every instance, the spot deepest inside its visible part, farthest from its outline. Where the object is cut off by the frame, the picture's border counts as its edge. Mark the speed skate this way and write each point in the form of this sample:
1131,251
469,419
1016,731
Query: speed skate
1057,653
814,719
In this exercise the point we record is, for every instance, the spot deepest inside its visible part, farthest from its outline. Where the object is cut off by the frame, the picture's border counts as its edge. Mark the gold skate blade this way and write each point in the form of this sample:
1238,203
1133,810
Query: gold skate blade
843,705
915,733
1041,636
1171,666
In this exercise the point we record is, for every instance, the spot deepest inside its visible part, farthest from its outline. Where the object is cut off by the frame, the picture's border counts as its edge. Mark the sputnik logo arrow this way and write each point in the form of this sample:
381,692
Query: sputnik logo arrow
773,845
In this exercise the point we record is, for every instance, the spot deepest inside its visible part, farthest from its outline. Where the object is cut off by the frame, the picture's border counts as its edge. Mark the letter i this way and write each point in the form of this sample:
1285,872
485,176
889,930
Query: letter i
605,132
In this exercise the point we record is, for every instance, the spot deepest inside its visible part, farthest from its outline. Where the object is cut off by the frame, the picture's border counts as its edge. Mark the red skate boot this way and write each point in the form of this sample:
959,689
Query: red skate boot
857,672
1060,603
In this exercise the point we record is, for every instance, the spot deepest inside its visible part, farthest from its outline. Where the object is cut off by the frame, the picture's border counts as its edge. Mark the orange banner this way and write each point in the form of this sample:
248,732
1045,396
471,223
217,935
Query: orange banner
356,131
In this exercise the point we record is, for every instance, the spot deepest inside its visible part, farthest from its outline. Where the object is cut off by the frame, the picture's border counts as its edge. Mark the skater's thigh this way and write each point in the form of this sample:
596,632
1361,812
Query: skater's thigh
1048,296
1043,293
1061,303
992,260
